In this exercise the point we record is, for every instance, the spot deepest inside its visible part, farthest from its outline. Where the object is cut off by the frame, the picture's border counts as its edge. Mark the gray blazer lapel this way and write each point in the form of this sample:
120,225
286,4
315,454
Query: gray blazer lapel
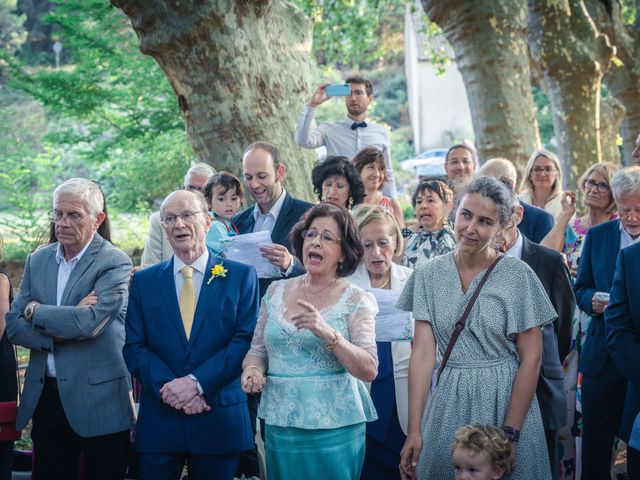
50,272
83,264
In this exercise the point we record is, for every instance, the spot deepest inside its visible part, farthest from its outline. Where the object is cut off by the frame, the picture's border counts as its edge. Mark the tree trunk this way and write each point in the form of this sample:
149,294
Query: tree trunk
240,70
573,57
490,44
623,78
612,112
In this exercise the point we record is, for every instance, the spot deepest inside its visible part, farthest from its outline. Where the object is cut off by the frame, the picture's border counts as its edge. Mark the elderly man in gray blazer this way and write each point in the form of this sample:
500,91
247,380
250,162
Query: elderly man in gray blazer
70,313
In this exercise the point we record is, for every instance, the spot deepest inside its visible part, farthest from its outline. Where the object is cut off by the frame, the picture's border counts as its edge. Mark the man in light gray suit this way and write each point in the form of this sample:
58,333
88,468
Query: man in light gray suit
70,313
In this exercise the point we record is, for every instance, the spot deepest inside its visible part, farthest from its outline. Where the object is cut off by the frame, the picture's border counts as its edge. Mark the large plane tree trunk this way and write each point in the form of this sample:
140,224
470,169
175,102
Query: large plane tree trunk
491,52
573,57
623,78
240,71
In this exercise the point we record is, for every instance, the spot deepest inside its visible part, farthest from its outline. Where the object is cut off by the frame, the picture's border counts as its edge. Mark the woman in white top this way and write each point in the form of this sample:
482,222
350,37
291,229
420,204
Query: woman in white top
542,182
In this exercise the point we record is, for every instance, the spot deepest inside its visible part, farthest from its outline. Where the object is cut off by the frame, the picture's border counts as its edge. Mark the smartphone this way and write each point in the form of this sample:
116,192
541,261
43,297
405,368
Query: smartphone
338,90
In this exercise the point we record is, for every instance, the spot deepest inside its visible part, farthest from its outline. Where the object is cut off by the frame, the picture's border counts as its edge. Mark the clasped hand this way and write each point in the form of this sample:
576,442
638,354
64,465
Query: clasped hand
252,380
182,394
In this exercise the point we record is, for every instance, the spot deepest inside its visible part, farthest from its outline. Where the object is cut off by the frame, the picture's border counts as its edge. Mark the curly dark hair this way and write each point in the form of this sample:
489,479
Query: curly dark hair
350,241
334,165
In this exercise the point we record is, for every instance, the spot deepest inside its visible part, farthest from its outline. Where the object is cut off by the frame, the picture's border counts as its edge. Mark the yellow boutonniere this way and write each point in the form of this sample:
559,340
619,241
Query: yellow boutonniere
217,271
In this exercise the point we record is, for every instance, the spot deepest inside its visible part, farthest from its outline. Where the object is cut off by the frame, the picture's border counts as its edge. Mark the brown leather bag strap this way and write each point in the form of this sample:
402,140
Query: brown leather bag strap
463,319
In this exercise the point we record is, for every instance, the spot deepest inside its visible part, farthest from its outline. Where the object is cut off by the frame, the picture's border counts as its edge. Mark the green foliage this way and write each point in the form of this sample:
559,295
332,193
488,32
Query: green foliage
122,122
545,117
351,32
12,34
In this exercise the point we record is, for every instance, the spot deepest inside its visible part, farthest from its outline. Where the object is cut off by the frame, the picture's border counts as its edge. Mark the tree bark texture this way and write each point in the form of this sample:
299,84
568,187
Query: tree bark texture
490,45
612,113
241,73
623,78
573,57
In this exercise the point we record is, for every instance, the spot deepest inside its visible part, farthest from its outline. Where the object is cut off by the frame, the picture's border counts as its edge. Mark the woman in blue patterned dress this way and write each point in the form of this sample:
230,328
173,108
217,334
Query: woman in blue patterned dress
492,373
432,203
313,347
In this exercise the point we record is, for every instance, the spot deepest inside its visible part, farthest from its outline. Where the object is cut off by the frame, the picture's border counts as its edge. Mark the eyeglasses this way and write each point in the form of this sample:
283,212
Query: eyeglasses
187,217
325,237
600,187
539,170
55,216
192,188
358,93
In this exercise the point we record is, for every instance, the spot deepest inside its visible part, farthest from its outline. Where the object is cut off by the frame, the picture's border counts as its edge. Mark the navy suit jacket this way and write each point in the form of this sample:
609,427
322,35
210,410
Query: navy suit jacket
536,223
623,330
551,269
157,351
596,269
290,213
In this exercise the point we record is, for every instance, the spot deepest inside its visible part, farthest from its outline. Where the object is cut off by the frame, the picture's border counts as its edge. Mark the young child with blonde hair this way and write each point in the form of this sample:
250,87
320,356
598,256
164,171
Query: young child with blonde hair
480,452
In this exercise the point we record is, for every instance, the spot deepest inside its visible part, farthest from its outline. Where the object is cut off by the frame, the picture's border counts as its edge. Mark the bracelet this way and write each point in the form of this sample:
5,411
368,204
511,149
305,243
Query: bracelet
334,343
253,366
513,435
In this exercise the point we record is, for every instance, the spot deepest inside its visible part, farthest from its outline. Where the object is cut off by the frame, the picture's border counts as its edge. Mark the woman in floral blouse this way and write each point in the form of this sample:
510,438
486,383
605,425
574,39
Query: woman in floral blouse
432,202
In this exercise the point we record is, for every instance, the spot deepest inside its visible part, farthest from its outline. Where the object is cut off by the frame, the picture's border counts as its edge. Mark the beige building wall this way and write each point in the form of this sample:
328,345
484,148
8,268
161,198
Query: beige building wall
438,106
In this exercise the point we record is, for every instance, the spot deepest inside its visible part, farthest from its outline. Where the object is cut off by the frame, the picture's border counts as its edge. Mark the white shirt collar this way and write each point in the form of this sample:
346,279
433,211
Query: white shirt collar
275,210
626,239
200,264
516,248
350,121
60,253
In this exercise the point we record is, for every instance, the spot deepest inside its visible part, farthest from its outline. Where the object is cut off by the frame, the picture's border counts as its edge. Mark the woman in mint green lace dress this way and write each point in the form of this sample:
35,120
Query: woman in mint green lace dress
313,347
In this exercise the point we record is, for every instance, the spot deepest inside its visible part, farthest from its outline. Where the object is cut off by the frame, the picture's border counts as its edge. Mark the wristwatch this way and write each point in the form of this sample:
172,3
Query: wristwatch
30,310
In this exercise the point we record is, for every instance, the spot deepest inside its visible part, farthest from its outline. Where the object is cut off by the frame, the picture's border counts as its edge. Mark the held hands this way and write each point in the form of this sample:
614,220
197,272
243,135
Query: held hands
278,255
598,305
180,392
252,380
319,96
311,319
409,456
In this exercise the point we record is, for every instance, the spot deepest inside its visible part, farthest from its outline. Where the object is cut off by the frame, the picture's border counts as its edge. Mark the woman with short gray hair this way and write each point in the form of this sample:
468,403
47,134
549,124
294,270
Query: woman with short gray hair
489,370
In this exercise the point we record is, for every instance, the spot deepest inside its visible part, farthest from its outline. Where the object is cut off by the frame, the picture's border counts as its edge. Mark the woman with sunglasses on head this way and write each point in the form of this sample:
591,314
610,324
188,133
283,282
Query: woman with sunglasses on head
567,236
542,182
313,347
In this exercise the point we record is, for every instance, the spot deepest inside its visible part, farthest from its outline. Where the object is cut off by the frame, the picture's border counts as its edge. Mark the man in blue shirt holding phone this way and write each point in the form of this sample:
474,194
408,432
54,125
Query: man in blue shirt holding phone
347,137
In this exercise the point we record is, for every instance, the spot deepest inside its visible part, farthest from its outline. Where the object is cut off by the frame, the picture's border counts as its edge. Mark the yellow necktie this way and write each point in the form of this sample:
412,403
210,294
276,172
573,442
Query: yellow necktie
187,300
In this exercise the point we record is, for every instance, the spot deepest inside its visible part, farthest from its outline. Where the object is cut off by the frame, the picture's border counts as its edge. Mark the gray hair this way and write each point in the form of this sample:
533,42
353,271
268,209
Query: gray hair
498,192
86,190
625,182
197,197
502,169
200,169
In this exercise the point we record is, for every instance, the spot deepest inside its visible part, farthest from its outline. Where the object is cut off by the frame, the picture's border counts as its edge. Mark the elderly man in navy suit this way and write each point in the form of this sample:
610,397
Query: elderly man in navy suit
189,325
603,384
622,318
70,314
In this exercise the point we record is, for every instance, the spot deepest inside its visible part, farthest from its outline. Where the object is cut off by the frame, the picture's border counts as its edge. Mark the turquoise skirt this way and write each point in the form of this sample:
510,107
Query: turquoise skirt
336,453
